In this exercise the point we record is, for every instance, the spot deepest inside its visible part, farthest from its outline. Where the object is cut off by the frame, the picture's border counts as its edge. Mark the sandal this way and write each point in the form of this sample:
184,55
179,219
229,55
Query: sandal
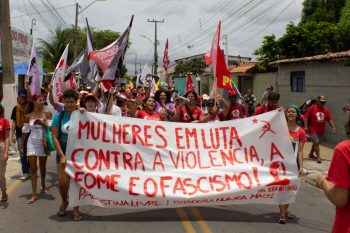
32,200
77,216
319,161
282,220
44,190
312,156
4,198
62,210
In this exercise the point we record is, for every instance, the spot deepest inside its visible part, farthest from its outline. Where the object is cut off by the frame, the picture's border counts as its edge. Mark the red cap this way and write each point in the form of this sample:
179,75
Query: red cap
90,96
233,93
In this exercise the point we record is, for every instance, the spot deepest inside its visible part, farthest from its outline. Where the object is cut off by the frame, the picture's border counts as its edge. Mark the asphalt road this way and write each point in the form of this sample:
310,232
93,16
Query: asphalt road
314,214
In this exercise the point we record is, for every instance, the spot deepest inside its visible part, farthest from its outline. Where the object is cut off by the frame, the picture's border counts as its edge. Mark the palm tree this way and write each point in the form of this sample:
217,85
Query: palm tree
52,49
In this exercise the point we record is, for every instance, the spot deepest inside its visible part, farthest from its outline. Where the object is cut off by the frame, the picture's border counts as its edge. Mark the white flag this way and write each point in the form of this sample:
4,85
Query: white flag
59,85
33,72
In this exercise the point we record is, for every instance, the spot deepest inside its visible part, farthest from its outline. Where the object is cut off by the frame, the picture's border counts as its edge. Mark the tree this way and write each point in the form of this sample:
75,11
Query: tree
52,49
268,52
195,66
318,33
344,25
309,39
322,10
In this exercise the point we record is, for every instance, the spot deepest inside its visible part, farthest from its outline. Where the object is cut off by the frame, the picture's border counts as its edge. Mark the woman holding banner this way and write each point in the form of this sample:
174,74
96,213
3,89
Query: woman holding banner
189,111
59,130
34,140
298,137
164,104
148,111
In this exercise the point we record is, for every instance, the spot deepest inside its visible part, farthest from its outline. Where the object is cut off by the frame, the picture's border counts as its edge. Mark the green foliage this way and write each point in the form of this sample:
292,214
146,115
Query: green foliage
344,25
309,39
318,33
195,66
53,48
269,51
322,10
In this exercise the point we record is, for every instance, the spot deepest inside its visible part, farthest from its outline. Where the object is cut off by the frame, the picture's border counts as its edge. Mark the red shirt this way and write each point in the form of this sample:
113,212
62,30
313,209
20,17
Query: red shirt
4,126
263,109
339,175
298,135
185,116
317,119
147,116
236,112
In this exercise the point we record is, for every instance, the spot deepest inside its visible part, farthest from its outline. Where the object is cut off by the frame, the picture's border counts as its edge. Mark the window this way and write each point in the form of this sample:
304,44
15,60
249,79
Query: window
297,81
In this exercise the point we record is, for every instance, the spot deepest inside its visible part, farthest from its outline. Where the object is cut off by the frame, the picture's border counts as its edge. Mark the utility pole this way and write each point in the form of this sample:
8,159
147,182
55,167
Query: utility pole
31,28
226,50
75,30
7,78
155,63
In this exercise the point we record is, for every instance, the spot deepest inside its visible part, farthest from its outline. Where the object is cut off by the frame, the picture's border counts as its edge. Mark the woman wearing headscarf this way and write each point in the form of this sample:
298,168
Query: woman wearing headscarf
298,138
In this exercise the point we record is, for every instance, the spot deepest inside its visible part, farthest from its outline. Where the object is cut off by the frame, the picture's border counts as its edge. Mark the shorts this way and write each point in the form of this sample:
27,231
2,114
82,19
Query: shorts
63,147
315,138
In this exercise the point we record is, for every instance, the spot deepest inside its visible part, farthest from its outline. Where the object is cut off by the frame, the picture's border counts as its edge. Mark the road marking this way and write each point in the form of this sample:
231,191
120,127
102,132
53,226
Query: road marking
202,224
185,221
13,186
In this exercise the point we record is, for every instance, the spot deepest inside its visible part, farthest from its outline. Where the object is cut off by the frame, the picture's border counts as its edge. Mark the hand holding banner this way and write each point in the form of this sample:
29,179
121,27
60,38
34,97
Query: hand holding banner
151,164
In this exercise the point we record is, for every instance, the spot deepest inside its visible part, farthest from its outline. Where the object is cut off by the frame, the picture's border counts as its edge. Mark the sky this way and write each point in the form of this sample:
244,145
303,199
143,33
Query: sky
189,25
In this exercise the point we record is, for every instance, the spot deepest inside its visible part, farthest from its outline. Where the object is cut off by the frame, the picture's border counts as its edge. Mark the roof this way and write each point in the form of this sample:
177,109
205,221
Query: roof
244,67
201,55
328,56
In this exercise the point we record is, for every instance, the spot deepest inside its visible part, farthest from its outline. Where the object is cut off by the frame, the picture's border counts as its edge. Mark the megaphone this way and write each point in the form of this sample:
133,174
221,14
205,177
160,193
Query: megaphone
178,98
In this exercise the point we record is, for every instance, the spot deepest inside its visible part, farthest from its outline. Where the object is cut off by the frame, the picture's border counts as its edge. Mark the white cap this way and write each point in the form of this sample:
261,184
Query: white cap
205,97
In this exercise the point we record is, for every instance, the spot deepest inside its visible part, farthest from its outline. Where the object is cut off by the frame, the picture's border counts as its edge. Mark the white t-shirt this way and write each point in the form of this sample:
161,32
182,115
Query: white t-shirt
115,110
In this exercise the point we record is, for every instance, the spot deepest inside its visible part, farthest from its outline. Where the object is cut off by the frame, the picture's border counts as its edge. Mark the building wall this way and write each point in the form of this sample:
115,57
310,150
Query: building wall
331,79
261,80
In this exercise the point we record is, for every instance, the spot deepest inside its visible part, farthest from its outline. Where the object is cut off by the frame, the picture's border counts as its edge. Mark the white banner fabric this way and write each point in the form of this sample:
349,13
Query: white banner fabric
135,163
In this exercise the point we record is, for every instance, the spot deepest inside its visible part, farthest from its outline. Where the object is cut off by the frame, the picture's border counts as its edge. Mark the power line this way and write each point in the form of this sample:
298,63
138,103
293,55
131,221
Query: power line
19,7
268,24
56,13
38,12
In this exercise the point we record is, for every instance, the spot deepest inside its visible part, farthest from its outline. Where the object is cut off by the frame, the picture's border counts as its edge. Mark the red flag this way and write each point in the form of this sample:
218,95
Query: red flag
207,59
166,60
104,56
189,85
217,58
222,73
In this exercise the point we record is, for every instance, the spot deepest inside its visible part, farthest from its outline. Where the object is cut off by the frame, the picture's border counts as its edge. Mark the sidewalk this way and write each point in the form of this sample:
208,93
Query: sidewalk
311,167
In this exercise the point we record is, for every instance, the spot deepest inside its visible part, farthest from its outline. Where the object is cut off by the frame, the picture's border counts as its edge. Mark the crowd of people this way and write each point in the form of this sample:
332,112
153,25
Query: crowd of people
31,121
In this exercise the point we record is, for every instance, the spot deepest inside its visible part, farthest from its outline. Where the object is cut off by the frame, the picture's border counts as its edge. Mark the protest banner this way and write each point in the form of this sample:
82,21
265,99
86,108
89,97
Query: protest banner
129,163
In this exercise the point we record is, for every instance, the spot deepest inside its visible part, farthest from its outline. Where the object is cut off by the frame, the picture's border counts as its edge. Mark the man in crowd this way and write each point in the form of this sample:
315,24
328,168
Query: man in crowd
272,104
17,117
250,100
315,123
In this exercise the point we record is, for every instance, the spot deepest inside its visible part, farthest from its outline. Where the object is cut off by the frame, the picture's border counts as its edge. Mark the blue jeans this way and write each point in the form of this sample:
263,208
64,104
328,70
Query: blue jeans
24,160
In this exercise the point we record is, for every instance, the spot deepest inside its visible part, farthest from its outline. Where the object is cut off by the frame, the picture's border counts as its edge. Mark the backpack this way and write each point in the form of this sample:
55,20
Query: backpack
306,105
